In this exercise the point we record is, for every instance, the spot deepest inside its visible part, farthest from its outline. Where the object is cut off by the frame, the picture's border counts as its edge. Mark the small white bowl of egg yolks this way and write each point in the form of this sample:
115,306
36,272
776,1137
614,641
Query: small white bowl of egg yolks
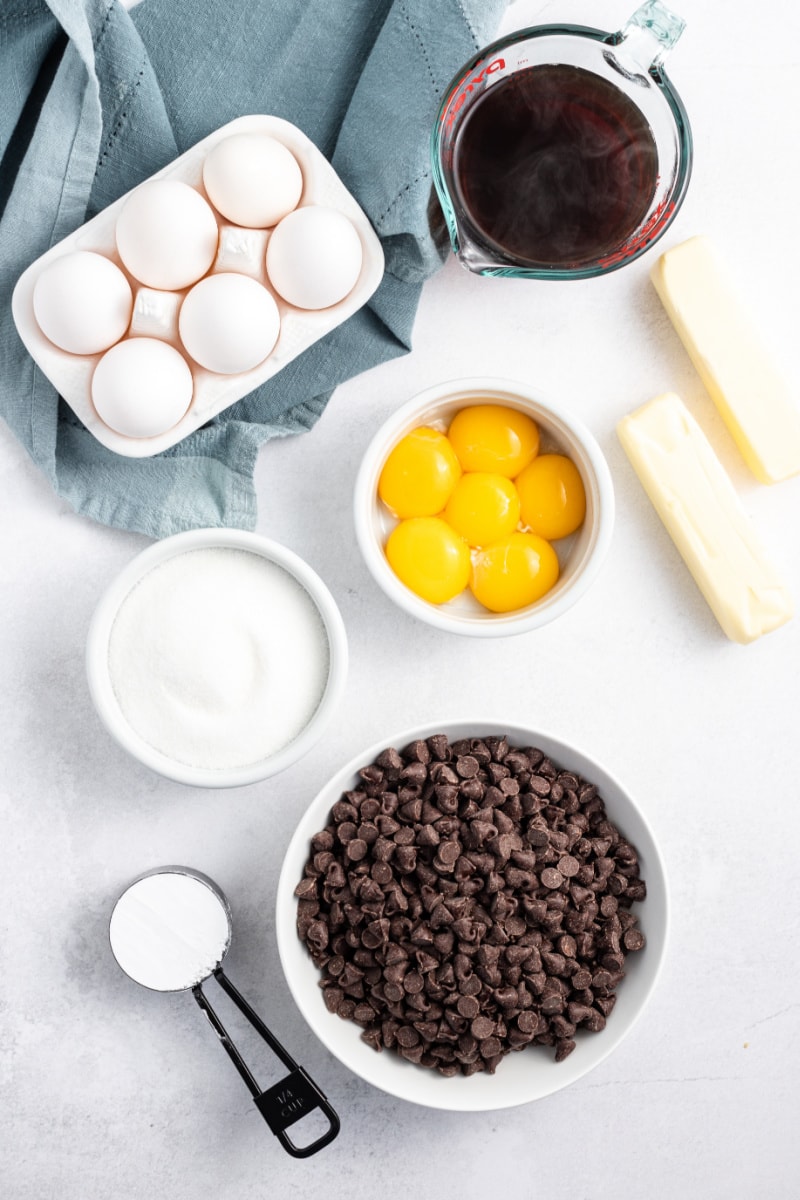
466,506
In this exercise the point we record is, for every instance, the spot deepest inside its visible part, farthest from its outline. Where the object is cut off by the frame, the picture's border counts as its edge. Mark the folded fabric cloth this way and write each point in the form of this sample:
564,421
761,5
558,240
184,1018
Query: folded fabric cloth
93,99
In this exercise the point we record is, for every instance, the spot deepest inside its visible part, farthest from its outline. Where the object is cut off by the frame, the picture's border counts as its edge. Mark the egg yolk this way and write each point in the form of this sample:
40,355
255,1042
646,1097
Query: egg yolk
552,496
419,474
483,508
429,558
514,573
491,437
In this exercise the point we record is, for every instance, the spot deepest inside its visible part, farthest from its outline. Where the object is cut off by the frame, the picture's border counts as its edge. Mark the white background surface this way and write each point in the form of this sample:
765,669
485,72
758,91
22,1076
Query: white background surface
112,1092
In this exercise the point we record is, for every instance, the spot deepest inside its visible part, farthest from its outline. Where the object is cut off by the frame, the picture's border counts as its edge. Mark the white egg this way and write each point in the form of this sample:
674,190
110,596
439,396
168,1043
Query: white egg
167,234
229,323
142,387
82,302
314,257
252,179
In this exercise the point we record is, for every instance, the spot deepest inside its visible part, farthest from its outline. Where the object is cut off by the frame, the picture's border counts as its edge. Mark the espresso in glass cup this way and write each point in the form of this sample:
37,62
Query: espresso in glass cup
563,152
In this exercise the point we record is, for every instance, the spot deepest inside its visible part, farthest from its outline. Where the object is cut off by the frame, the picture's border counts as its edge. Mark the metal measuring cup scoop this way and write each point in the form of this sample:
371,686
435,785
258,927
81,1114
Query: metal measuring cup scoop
169,931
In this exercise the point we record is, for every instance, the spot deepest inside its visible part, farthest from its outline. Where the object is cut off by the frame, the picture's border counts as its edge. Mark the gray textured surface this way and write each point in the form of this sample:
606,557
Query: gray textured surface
112,1093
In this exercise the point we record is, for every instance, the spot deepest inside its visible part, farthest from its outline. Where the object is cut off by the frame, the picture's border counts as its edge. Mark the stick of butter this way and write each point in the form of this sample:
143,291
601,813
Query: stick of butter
698,504
736,368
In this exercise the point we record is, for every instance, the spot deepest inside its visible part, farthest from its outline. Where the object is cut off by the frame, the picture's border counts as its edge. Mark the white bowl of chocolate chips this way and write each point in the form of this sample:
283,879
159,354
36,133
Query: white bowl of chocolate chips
472,915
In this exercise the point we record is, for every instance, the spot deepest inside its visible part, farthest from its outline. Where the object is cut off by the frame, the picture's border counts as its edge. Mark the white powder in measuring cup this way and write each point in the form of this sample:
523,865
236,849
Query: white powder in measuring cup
218,658
169,931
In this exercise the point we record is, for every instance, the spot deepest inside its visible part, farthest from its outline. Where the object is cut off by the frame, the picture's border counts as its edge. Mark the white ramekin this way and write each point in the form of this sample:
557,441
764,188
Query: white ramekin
102,691
580,557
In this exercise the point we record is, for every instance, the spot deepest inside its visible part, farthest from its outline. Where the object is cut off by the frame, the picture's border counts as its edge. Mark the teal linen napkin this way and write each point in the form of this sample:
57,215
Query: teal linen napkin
93,99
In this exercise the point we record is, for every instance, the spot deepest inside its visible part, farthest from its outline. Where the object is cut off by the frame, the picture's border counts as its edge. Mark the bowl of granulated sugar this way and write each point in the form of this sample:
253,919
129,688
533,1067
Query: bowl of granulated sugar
216,657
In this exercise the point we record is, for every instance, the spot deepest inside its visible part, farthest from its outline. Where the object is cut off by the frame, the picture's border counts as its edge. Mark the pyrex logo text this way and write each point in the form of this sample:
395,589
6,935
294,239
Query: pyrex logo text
497,64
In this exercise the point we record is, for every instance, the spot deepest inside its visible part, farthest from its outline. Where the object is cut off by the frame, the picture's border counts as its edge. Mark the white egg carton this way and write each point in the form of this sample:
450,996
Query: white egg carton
155,313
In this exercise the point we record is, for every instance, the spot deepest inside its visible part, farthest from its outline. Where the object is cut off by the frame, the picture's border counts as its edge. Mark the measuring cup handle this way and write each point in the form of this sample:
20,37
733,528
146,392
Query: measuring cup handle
645,40
291,1099
287,1101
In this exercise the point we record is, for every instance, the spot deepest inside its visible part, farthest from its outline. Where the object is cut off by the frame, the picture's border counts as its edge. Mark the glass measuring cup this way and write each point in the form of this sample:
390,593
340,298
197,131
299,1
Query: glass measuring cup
169,931
562,151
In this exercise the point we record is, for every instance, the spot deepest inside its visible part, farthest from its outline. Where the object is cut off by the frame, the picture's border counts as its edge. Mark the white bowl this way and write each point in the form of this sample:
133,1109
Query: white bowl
580,556
522,1076
102,691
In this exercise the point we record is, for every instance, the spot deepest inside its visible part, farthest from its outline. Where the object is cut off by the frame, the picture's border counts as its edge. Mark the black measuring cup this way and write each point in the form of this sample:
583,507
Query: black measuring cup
169,931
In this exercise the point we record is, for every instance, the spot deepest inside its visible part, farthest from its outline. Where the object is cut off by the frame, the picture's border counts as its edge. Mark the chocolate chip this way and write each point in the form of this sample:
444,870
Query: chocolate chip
468,1007
467,766
306,889
514,927
343,810
439,746
552,1003
317,935
473,791
482,1027
446,798
356,849
406,859
322,840
568,866
427,836
633,939
411,810
407,1036
449,852
528,1022
605,1003
413,983
595,1023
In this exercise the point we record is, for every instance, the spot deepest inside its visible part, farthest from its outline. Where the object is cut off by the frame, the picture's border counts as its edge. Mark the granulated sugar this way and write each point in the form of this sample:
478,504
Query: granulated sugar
218,658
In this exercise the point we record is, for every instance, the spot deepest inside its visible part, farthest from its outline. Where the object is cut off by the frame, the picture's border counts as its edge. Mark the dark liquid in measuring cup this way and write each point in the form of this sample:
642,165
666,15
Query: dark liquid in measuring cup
555,166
